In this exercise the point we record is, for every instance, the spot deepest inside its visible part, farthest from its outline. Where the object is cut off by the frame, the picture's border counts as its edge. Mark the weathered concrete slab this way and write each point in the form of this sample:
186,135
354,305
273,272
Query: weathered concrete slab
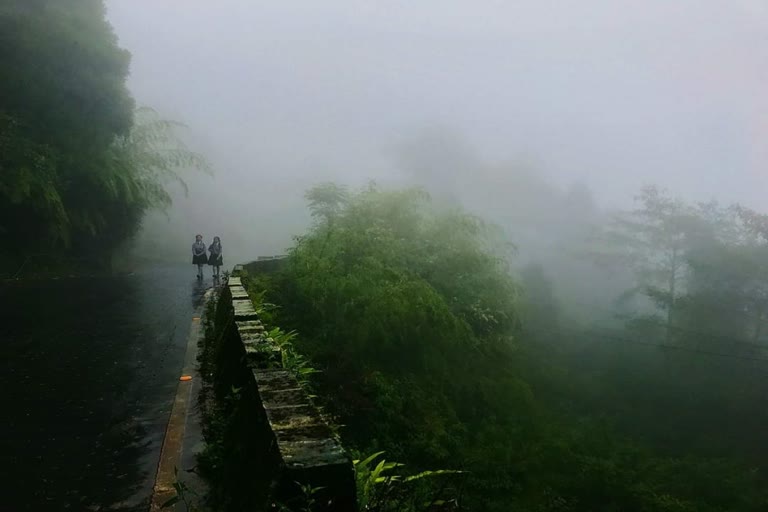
237,270
287,417
262,355
238,293
243,304
250,338
250,329
307,433
244,310
245,325
267,380
313,452
246,314
278,397
234,281
304,439
253,337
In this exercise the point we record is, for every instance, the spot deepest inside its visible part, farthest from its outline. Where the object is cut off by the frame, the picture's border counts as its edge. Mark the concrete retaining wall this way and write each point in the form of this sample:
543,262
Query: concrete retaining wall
298,446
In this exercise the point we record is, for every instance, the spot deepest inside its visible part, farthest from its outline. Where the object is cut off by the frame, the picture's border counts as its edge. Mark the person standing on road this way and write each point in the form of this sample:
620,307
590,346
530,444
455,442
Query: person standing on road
216,259
199,257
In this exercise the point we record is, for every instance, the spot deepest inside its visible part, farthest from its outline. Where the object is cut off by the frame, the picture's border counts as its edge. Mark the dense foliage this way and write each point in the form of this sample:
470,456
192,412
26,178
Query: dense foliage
430,351
78,166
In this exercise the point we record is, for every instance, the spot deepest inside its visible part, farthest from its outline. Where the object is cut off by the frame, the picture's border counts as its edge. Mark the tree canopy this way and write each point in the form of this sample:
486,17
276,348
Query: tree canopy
430,350
79,165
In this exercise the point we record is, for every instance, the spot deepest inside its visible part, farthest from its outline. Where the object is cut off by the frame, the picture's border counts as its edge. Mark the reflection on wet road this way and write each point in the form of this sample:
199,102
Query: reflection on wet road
88,369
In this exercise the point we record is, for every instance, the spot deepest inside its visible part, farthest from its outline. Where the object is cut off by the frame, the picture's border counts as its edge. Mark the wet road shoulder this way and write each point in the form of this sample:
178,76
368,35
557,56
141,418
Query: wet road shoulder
183,435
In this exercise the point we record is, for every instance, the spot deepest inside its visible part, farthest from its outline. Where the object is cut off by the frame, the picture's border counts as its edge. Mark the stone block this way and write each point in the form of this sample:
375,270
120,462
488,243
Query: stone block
306,453
267,380
262,356
279,397
252,338
253,329
238,293
244,310
249,325
321,463
288,417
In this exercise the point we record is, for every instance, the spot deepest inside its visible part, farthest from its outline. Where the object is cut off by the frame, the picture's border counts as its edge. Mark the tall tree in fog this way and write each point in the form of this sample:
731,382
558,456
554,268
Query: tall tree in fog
703,267
728,282
653,240
76,170
62,101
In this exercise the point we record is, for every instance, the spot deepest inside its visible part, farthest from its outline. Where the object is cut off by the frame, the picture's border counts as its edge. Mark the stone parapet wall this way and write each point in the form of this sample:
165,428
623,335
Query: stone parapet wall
302,447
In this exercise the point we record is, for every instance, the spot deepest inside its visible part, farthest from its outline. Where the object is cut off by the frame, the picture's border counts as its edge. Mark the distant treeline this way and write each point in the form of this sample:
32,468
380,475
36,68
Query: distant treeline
432,351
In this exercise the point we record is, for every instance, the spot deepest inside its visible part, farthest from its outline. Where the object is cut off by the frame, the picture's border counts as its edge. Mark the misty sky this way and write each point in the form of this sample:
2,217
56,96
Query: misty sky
617,93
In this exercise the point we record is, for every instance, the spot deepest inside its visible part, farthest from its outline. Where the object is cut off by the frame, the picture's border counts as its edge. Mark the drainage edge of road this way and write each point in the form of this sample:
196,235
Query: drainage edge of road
183,438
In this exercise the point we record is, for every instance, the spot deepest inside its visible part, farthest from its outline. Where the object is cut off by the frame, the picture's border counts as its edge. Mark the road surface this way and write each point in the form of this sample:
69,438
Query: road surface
88,371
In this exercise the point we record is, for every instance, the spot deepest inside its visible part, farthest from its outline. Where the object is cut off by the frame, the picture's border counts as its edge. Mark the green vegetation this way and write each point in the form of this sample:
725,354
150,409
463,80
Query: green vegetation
431,351
79,166
237,437
423,339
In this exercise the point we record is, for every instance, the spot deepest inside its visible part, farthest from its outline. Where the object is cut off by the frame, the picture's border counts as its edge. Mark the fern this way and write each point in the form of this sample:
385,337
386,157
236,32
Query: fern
380,488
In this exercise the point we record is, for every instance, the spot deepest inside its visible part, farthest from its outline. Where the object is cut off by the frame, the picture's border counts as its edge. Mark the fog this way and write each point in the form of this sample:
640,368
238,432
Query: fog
281,95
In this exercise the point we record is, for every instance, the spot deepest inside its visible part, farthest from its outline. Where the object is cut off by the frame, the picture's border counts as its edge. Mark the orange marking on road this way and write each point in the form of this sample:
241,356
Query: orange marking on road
185,377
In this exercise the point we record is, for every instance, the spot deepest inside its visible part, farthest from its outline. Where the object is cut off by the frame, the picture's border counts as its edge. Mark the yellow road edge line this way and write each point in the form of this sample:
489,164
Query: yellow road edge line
173,441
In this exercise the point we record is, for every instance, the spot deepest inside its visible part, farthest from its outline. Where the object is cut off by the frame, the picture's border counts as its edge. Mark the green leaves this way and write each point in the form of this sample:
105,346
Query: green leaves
29,181
410,313
78,166
380,488
378,251
413,318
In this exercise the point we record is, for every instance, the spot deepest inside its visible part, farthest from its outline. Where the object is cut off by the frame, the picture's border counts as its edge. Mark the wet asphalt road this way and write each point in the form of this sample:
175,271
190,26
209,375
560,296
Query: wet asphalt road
88,371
